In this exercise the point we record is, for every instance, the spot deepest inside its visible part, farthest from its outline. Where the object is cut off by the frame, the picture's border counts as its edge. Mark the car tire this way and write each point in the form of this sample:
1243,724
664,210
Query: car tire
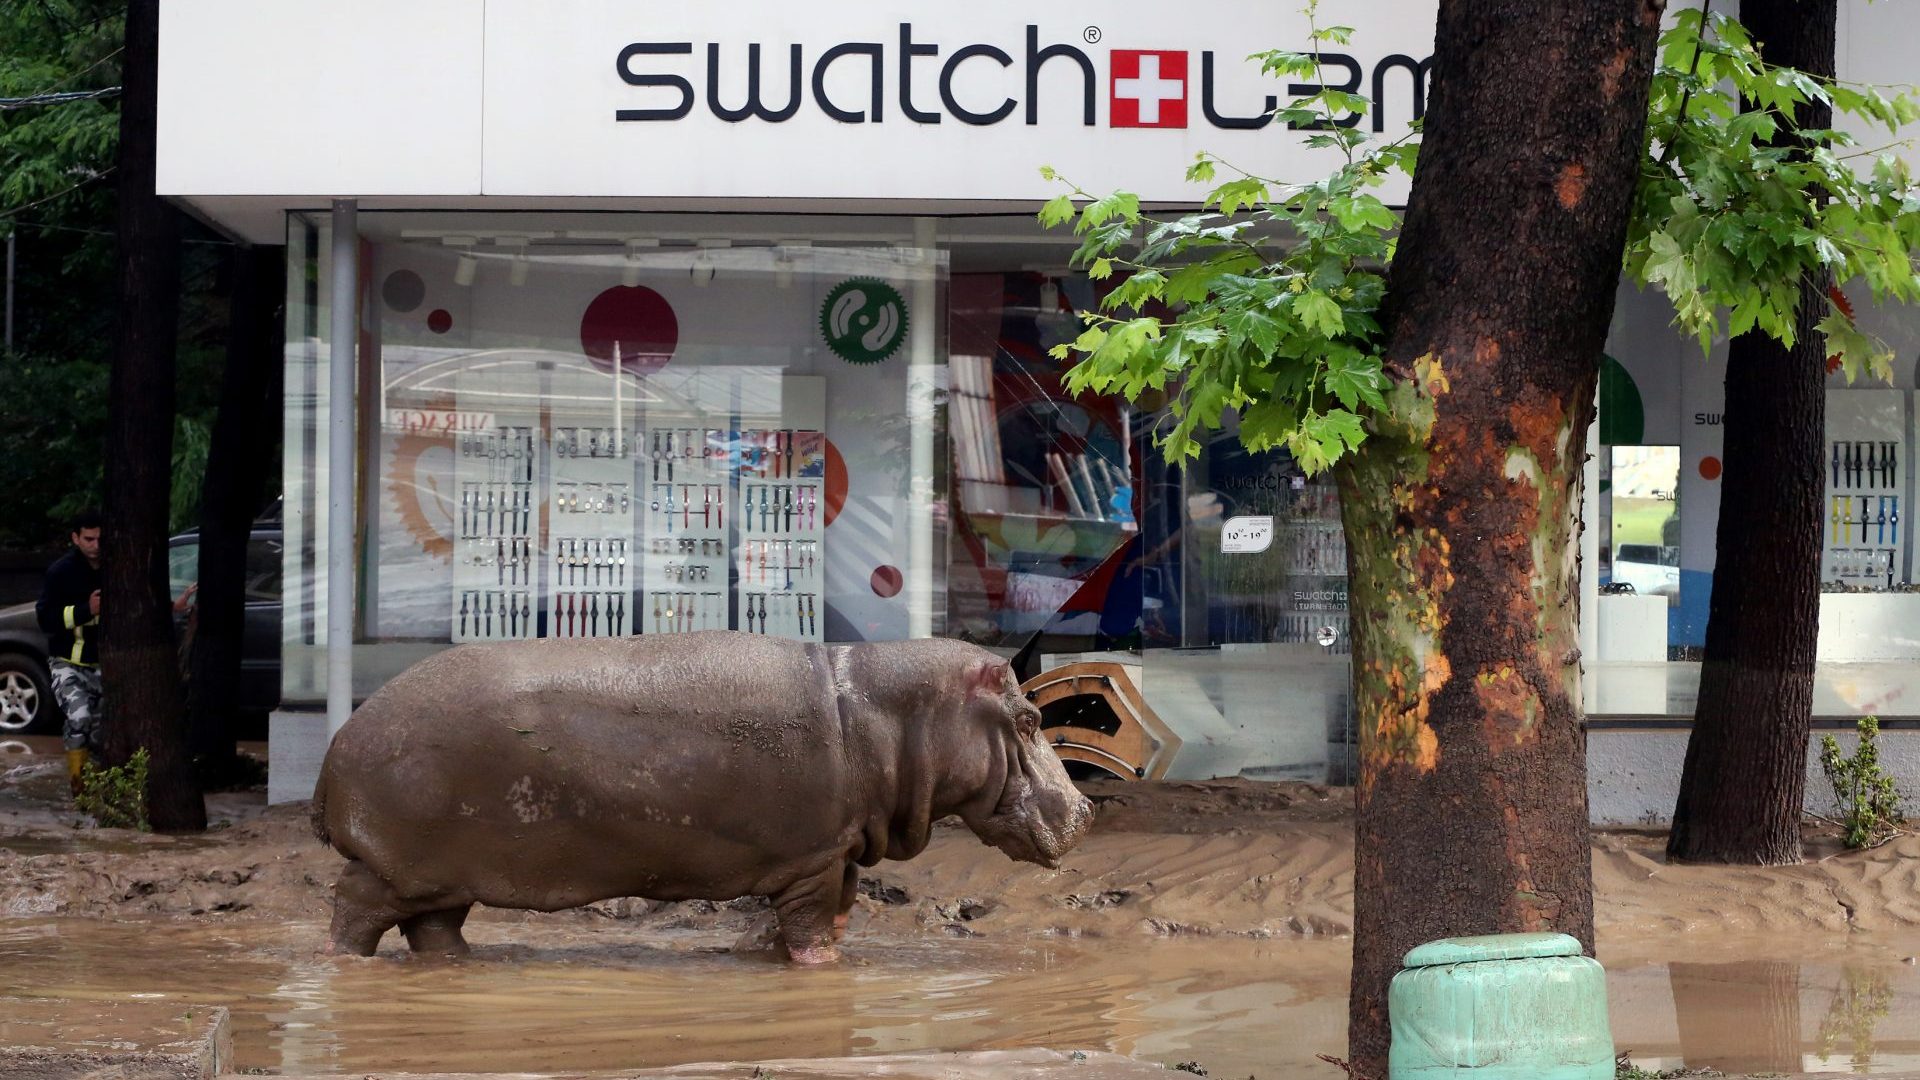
26,697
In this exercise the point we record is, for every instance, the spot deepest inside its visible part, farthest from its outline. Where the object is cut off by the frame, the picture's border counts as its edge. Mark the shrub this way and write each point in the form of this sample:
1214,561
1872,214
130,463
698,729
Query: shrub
116,797
1865,794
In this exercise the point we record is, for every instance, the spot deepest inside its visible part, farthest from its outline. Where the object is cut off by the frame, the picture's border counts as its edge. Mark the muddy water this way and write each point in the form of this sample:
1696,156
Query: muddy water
601,998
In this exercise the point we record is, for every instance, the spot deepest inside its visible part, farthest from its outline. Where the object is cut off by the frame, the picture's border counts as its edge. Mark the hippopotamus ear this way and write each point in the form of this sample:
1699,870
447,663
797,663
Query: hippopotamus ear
989,678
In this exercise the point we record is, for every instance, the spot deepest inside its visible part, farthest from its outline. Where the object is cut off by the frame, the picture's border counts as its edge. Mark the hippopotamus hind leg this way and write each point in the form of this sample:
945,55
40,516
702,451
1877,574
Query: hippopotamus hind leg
437,932
365,907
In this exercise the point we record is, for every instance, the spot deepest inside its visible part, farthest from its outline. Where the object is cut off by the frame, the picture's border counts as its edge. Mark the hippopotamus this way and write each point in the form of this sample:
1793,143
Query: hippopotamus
552,773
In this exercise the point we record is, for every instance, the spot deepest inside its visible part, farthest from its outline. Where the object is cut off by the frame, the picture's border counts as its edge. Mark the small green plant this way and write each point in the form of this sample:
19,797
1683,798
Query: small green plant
1625,1069
116,797
1866,795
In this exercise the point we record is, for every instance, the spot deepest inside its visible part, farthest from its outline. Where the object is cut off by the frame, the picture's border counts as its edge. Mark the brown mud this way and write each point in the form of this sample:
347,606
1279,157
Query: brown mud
1198,922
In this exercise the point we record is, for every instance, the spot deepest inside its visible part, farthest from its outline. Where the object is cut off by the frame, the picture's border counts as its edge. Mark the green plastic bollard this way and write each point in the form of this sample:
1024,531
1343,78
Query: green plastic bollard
1501,1007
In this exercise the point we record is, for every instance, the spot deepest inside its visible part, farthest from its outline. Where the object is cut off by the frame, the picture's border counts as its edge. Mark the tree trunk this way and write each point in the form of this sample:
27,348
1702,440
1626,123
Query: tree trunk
1744,784
236,478
138,662
1461,511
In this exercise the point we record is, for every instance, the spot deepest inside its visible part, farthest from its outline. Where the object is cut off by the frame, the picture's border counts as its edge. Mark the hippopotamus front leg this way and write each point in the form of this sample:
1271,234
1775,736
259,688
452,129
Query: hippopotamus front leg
437,932
808,910
849,891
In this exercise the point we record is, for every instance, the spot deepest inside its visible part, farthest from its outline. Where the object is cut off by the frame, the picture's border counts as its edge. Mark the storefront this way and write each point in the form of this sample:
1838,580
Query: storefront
738,318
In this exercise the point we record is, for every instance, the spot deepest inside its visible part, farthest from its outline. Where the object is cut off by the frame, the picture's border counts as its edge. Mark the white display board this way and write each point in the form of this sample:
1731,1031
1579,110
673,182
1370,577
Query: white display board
1866,462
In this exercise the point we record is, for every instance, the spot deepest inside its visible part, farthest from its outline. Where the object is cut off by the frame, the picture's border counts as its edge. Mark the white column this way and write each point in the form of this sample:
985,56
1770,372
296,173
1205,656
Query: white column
1590,563
923,309
343,335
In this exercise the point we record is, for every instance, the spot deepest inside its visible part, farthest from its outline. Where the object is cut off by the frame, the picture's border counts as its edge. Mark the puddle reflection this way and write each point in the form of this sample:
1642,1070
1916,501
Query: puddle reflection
1856,1012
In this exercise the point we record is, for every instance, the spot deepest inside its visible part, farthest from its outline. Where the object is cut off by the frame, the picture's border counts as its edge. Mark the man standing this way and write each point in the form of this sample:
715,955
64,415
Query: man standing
69,612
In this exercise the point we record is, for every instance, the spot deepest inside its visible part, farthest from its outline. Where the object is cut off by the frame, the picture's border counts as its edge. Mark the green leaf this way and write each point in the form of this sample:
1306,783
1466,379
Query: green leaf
1058,211
1254,327
1319,312
1246,192
1356,212
1355,379
1121,205
1282,63
1323,438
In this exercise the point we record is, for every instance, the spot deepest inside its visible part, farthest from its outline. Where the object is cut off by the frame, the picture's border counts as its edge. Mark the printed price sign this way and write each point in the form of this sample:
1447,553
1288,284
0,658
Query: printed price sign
1248,535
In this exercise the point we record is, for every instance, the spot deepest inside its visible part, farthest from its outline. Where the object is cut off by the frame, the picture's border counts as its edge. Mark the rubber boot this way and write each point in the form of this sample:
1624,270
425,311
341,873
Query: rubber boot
76,767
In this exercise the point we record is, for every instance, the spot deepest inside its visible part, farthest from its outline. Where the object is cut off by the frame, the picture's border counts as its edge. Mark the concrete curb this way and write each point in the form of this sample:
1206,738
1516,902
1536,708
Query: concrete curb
57,1039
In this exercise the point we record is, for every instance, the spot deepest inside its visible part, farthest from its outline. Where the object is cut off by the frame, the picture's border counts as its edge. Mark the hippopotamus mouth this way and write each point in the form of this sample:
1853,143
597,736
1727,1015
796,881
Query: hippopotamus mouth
1020,826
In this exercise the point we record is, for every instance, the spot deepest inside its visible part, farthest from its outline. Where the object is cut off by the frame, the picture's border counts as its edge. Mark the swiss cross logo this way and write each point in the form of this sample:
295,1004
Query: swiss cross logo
1149,89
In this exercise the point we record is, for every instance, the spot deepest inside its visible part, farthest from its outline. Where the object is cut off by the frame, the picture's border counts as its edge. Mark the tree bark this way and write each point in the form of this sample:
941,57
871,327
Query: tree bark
236,479
1461,509
139,664
1744,784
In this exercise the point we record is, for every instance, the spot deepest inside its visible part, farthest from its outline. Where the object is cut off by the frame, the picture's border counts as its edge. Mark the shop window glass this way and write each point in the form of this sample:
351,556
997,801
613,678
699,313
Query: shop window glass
1044,480
1657,503
606,426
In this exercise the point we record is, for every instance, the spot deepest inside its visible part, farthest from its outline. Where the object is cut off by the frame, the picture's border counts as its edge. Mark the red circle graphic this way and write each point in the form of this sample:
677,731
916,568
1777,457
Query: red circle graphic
836,483
634,320
440,321
1710,468
886,581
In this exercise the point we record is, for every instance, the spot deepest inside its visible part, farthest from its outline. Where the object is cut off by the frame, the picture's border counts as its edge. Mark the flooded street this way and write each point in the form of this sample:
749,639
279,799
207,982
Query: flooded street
1199,923
549,998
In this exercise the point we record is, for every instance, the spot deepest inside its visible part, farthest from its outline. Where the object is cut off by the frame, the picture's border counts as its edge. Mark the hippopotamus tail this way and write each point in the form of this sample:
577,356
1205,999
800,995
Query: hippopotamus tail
319,817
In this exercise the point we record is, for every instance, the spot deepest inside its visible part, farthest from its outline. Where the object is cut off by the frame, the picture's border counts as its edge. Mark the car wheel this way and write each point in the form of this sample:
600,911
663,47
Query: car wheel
26,697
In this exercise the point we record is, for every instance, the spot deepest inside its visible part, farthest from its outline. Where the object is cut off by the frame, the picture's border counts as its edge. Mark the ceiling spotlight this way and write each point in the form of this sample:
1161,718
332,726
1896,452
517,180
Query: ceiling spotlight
783,261
467,266
636,245
517,266
703,267
1049,296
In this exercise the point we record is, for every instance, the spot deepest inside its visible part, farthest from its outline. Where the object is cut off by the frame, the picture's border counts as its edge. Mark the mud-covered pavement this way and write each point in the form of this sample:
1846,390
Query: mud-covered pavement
1198,923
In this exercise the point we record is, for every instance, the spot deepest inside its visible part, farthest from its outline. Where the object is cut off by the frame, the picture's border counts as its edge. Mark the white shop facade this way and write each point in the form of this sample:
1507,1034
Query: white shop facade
604,321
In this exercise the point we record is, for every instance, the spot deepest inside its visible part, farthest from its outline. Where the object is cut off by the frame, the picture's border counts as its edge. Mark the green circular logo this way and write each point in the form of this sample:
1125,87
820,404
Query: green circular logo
863,320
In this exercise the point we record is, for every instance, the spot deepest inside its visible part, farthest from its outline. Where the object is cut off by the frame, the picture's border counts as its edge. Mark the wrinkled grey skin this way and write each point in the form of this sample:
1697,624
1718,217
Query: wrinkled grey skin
548,774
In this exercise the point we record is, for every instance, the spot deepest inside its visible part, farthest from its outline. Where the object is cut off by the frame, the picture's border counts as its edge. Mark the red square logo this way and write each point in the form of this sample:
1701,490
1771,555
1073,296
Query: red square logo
1149,89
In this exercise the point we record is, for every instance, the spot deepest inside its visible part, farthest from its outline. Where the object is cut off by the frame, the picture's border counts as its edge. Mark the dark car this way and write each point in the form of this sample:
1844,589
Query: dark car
26,695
